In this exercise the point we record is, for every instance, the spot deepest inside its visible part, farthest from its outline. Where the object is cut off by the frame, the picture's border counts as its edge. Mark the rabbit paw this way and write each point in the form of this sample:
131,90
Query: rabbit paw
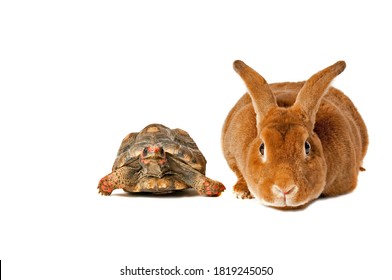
244,195
241,190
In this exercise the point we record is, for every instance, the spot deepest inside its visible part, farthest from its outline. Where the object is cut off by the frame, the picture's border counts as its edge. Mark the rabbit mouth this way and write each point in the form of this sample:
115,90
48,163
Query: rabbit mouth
289,200
283,202
283,197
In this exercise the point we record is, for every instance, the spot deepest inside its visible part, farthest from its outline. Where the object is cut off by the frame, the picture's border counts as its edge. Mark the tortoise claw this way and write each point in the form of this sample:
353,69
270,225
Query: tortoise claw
212,188
104,187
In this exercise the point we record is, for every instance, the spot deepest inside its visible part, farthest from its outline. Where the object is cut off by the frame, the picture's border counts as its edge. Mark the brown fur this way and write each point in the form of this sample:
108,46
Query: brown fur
284,116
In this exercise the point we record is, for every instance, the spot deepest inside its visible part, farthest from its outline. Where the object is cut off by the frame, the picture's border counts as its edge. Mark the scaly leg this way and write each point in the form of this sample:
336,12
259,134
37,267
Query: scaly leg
193,178
124,177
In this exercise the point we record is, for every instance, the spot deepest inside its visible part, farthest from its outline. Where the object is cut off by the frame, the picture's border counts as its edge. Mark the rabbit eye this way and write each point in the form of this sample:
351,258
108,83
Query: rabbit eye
262,149
307,147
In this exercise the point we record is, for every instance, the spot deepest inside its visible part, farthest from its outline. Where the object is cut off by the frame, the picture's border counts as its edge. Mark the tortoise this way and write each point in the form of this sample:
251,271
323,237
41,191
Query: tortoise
159,160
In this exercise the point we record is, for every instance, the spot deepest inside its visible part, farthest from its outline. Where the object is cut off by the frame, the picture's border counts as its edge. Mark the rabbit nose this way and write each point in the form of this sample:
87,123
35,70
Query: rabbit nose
287,190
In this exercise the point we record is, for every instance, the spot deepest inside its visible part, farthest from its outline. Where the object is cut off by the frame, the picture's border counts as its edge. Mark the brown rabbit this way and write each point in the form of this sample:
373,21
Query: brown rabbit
289,143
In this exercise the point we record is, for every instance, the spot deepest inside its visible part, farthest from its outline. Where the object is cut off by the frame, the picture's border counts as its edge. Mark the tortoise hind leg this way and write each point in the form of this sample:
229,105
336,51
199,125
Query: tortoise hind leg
123,178
193,178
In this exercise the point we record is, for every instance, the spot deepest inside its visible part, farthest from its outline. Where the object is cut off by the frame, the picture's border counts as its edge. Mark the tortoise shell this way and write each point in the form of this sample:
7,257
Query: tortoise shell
159,160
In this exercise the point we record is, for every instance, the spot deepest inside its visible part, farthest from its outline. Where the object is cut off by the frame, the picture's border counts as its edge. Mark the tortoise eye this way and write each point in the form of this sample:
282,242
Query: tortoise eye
145,151
262,149
307,147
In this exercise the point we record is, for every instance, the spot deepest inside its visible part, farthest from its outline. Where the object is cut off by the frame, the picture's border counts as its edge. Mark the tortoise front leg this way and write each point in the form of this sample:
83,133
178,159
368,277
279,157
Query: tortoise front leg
126,177
193,178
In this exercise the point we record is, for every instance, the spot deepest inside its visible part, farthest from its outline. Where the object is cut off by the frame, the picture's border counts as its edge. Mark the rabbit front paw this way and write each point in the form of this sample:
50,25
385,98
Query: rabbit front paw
241,190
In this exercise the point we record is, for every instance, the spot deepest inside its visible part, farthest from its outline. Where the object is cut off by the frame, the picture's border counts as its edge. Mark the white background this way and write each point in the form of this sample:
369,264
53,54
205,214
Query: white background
77,76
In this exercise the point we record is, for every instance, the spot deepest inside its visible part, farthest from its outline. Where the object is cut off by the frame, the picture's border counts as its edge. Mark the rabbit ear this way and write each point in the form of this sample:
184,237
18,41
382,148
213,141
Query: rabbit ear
258,89
309,97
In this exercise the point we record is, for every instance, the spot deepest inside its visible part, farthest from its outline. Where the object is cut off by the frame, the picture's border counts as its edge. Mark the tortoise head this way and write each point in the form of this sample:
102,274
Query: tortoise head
154,162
